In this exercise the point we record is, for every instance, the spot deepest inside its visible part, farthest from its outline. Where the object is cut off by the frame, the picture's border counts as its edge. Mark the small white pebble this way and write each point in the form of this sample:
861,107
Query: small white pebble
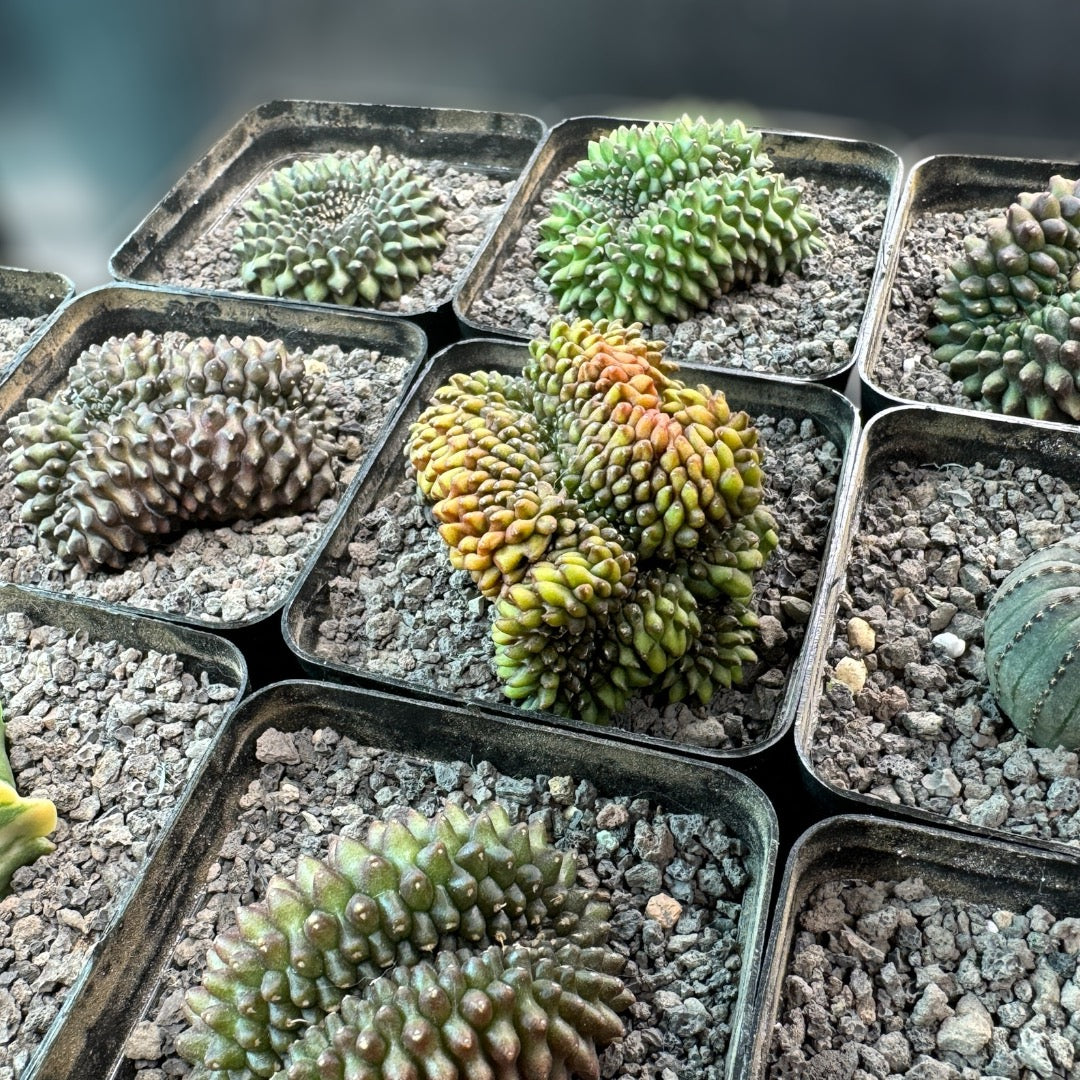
850,672
950,645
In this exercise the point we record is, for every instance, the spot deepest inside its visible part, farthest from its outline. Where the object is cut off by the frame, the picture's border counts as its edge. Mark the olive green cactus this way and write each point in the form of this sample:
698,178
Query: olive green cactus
415,882
1004,309
346,228
147,437
609,512
533,1013
660,219
1032,641
24,823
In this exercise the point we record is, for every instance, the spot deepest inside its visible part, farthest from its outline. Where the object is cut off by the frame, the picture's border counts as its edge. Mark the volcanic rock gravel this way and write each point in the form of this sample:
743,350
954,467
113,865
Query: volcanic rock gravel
805,325
676,883
14,333
398,609
111,735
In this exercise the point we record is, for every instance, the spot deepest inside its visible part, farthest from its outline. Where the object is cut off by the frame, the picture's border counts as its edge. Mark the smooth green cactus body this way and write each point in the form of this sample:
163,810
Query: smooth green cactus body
337,924
146,438
349,229
1005,309
529,1013
1032,639
610,512
24,823
661,219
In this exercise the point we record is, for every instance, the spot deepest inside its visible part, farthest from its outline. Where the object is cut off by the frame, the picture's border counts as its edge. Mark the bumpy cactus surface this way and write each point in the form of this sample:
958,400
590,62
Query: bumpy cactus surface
660,219
351,228
1032,638
334,926
147,437
609,512
24,823
1007,310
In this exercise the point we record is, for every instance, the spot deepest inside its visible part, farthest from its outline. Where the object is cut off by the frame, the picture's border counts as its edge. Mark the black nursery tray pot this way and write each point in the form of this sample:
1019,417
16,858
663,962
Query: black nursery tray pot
30,294
117,310
943,184
199,652
272,135
817,157
130,966
307,604
843,849
944,444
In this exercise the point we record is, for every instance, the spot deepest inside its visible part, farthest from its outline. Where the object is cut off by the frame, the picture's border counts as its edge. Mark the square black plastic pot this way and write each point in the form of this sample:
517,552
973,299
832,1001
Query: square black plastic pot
117,310
817,157
107,1007
272,135
385,470
30,294
941,440
852,847
199,652
941,184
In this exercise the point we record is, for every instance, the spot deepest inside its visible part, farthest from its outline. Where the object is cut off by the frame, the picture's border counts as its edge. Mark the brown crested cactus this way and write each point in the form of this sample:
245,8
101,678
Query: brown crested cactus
147,437
610,512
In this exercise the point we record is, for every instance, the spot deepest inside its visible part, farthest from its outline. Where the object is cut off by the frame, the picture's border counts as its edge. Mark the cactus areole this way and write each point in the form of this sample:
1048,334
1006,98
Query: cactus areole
1032,638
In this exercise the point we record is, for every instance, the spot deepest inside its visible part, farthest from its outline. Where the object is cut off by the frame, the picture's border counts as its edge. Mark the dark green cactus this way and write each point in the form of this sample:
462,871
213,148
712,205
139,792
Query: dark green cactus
531,1013
24,823
146,438
1004,309
1032,640
661,219
337,924
351,228
610,512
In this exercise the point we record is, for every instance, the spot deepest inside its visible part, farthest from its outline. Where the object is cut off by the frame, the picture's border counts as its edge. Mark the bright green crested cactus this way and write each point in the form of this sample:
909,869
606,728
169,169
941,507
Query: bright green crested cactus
337,924
610,512
1005,309
661,219
531,1013
147,437
351,228
1032,639
24,823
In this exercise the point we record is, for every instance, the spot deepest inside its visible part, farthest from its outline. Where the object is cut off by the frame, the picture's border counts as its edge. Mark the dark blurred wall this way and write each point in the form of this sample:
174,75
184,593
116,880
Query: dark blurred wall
103,104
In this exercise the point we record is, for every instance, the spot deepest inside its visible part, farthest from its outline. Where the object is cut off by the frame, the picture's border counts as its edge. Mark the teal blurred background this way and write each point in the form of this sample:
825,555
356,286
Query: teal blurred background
103,105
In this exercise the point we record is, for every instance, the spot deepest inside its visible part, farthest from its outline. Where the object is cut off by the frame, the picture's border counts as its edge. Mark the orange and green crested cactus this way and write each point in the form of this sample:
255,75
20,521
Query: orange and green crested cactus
611,513
660,219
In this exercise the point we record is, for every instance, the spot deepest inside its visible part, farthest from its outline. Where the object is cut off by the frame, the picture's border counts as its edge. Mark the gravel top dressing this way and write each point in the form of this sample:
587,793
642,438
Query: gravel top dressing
889,979
676,883
227,573
931,546
805,325
399,610
14,334
472,201
109,734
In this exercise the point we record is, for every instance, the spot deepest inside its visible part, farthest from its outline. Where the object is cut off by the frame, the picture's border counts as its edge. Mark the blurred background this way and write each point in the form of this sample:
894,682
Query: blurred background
103,105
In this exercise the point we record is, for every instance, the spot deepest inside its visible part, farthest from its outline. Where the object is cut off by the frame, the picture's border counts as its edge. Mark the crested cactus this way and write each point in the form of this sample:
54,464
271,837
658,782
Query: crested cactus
24,823
337,924
1005,310
609,512
147,437
1032,639
659,220
351,228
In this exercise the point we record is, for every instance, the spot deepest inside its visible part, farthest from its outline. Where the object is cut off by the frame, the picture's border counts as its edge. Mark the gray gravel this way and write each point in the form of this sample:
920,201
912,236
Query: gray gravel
805,325
676,882
111,735
235,573
892,980
472,199
14,333
931,546
398,610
